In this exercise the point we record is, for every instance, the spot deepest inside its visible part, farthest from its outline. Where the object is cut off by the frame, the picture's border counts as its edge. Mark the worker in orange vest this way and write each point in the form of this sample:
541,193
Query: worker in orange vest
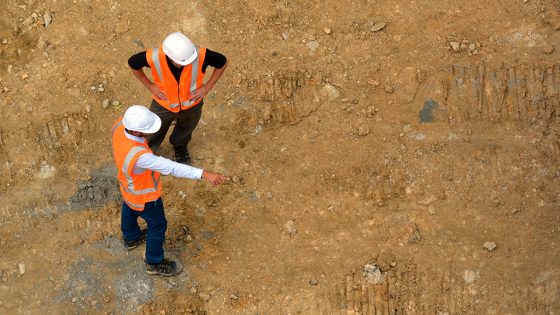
178,68
138,175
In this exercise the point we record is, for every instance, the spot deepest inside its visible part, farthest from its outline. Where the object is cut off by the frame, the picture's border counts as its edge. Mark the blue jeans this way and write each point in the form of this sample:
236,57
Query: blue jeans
157,226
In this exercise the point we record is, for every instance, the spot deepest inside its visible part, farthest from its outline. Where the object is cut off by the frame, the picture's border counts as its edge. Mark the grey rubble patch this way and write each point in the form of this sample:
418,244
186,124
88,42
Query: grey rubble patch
207,234
133,288
96,192
83,286
426,114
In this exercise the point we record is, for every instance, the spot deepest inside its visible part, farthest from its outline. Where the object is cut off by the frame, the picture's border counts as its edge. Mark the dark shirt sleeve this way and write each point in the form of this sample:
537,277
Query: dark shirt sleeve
138,61
213,59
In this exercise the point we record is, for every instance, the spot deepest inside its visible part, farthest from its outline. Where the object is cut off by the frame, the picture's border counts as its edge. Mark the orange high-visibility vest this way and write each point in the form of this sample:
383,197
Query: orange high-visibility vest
136,189
191,79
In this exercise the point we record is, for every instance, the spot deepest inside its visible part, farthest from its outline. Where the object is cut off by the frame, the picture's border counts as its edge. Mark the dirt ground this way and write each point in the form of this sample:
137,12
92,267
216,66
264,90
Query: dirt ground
386,157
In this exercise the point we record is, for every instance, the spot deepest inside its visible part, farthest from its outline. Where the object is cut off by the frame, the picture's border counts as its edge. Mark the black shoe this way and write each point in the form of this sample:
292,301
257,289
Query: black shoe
182,154
167,267
129,245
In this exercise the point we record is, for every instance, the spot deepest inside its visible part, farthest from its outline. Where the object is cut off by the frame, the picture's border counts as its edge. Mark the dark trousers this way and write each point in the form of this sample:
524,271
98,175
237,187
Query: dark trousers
157,225
185,123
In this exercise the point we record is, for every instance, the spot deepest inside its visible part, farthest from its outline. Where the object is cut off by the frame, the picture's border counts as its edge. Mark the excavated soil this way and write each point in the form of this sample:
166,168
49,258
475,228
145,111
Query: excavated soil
386,157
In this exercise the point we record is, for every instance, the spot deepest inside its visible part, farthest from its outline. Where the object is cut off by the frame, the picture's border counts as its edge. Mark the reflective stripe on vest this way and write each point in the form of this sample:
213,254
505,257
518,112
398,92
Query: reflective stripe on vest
194,78
155,60
130,183
116,126
133,205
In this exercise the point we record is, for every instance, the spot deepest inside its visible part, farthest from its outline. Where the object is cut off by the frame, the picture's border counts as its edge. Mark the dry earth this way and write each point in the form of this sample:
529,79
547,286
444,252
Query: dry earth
387,157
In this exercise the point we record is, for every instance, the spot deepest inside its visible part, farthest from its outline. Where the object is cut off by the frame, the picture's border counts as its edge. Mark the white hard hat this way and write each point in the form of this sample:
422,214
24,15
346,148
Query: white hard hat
139,118
179,49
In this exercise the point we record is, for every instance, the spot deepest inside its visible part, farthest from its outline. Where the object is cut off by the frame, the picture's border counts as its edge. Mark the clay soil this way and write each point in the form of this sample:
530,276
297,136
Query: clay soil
386,157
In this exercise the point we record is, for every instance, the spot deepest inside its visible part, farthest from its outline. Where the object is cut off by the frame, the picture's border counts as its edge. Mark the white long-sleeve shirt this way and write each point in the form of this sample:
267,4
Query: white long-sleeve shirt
162,165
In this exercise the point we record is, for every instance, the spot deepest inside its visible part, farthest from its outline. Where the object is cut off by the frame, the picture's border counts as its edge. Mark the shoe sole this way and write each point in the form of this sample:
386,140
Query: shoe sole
131,248
179,270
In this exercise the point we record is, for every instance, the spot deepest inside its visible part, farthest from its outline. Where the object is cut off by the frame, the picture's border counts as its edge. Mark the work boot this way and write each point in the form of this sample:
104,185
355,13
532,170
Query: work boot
182,154
132,244
167,267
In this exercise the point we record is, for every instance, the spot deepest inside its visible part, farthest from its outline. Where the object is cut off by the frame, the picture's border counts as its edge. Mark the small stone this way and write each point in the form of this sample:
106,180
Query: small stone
21,267
373,82
28,21
47,18
5,41
204,296
6,90
327,30
407,128
431,210
372,274
193,290
25,76
234,296
363,131
41,44
472,47
548,49
313,282
74,299
285,36
105,104
312,45
389,89
464,47
331,92
116,103
378,26
290,227
489,246
235,179
471,276
100,89
455,46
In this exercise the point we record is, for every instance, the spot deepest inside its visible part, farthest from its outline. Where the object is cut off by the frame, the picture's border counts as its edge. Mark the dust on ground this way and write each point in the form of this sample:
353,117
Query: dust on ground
386,158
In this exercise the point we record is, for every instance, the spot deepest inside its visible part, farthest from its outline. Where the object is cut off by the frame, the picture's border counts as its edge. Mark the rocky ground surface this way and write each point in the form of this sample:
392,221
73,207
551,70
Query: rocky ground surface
386,158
